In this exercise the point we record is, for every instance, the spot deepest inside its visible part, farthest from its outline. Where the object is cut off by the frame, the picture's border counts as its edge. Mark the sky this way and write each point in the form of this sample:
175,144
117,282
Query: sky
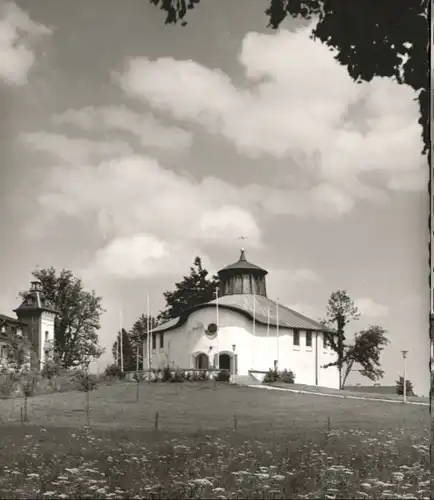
129,147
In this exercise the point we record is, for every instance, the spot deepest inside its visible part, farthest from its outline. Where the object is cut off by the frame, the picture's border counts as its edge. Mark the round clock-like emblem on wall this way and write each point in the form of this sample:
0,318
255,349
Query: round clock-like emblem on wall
211,330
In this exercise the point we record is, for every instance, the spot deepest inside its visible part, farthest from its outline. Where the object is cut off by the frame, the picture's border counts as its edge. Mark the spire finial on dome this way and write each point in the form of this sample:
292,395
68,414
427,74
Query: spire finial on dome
243,255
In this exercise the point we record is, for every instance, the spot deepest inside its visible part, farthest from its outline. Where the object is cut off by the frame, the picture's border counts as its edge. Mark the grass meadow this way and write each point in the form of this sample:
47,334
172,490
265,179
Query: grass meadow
212,442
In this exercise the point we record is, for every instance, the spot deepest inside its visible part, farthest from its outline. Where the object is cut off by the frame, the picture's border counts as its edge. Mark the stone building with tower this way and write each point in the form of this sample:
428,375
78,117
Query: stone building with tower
247,333
34,321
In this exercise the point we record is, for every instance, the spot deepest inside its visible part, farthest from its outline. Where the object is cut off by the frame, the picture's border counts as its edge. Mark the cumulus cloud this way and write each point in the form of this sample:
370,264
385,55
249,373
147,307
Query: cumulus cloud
370,308
141,208
298,103
18,33
74,151
141,256
149,131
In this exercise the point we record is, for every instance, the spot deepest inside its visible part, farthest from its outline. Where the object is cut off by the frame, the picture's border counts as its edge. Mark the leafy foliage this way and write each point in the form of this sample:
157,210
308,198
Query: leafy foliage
76,326
340,311
223,376
368,344
400,387
128,351
132,341
113,371
366,351
86,381
29,382
369,37
285,376
52,368
194,289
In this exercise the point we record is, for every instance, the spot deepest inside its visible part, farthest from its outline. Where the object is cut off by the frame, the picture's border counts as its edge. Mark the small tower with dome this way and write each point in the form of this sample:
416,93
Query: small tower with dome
39,315
242,277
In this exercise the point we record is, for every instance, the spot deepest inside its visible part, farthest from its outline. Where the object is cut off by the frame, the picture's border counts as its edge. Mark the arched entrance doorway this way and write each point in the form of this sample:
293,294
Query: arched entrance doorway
202,361
225,362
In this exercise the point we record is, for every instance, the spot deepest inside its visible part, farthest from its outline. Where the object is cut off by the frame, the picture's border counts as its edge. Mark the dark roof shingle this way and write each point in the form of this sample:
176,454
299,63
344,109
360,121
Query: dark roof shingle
246,304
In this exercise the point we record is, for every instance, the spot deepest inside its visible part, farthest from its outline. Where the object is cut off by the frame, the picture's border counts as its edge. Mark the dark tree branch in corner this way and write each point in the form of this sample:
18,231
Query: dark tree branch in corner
368,34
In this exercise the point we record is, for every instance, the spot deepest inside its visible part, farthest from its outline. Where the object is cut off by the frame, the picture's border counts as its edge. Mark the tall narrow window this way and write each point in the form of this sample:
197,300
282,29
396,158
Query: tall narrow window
296,337
324,340
308,339
46,335
161,340
154,340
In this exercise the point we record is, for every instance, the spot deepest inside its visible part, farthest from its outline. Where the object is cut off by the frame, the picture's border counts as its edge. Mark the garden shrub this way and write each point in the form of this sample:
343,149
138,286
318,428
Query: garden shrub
166,375
400,387
7,386
178,376
113,371
85,381
29,383
223,376
51,369
285,376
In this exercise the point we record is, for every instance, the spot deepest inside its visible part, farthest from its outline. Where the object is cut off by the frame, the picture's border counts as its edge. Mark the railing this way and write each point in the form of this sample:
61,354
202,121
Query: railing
155,374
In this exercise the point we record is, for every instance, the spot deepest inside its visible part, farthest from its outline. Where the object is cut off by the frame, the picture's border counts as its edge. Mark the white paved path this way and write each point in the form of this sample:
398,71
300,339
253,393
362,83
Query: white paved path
299,391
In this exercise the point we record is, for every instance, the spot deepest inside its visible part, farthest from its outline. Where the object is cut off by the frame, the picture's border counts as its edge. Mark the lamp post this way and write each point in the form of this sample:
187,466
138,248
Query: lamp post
233,359
404,357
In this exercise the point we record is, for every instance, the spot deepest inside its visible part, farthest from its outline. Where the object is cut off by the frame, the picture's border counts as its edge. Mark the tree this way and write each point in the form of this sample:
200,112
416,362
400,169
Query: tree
78,321
131,341
340,311
369,37
400,387
194,289
128,351
139,330
366,351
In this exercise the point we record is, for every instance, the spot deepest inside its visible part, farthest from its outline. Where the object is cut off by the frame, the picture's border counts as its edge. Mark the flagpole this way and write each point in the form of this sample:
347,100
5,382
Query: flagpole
217,364
268,322
254,330
277,331
148,336
121,341
143,352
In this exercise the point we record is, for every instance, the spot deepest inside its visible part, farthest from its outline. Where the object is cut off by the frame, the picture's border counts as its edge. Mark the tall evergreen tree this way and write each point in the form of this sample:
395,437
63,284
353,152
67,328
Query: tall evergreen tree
194,289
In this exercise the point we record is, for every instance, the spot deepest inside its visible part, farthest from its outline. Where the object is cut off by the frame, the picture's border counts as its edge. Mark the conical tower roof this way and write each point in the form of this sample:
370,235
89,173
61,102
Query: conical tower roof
243,265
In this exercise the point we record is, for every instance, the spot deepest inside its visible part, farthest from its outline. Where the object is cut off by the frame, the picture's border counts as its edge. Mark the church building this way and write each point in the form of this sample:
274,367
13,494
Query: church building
246,333
35,321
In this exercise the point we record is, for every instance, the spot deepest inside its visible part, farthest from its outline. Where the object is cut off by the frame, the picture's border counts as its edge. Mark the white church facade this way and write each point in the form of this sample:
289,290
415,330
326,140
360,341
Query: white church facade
246,333
35,320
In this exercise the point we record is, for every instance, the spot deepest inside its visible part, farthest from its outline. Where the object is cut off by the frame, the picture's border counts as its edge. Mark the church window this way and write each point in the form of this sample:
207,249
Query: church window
46,335
154,340
296,337
161,340
308,339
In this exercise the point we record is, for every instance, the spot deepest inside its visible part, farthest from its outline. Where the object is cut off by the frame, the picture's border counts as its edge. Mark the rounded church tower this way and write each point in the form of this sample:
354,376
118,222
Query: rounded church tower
242,277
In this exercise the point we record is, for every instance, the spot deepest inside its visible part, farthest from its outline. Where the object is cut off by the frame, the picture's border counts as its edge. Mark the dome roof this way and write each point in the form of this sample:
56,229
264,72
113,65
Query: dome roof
242,265
35,300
